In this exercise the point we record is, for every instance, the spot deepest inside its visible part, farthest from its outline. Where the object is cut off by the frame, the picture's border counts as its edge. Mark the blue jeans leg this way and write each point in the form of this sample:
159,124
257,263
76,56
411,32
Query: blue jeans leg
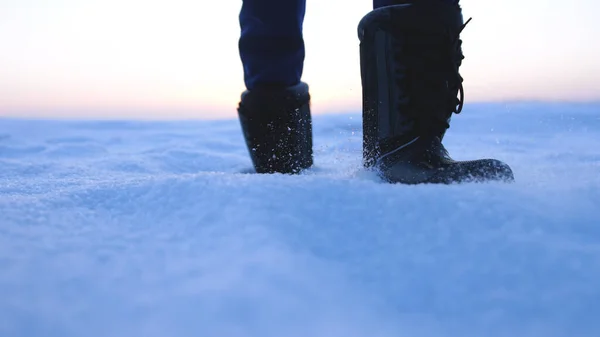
271,45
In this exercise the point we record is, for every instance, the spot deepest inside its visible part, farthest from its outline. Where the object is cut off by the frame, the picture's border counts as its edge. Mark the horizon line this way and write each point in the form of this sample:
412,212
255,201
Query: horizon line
212,112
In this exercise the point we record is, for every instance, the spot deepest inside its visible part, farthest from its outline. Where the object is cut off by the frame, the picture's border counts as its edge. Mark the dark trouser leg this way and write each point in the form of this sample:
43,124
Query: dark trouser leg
271,45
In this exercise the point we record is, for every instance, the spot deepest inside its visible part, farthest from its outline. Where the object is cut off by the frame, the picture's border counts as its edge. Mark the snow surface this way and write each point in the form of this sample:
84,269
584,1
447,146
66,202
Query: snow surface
134,228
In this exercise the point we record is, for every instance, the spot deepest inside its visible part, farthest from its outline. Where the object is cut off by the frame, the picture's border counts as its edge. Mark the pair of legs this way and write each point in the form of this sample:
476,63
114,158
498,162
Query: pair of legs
410,54
271,44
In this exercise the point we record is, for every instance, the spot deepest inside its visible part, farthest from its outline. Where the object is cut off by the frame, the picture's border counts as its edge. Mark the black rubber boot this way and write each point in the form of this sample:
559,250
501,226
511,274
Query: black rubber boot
410,57
277,127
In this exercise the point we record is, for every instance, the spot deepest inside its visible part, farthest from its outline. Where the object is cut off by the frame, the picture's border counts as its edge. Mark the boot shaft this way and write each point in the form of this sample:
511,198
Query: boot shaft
410,55
277,127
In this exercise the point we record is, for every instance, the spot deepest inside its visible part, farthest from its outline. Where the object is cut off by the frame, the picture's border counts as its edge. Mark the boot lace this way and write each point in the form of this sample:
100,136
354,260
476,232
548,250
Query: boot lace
457,43
427,74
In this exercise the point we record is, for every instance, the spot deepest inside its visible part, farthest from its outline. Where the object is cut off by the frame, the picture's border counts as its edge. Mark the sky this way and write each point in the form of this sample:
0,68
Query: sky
179,58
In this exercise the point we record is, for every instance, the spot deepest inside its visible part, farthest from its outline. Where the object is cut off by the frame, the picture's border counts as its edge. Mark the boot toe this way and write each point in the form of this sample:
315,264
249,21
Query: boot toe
497,170
478,171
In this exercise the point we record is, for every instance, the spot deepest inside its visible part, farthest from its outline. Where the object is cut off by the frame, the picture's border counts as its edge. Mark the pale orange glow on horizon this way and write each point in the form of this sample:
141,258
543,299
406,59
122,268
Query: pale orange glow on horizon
179,58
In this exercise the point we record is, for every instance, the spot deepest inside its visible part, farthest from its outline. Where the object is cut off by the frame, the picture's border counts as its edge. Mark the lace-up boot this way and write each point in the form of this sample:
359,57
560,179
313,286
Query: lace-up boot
410,56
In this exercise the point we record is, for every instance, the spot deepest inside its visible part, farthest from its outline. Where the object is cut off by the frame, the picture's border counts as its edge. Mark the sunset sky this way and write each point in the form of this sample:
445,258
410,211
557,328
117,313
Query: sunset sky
179,58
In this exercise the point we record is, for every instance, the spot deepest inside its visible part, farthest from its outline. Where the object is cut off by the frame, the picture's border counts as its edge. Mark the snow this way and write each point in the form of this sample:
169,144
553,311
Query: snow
140,228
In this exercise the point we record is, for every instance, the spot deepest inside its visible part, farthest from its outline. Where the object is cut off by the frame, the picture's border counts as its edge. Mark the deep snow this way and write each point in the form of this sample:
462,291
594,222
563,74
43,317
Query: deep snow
133,228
